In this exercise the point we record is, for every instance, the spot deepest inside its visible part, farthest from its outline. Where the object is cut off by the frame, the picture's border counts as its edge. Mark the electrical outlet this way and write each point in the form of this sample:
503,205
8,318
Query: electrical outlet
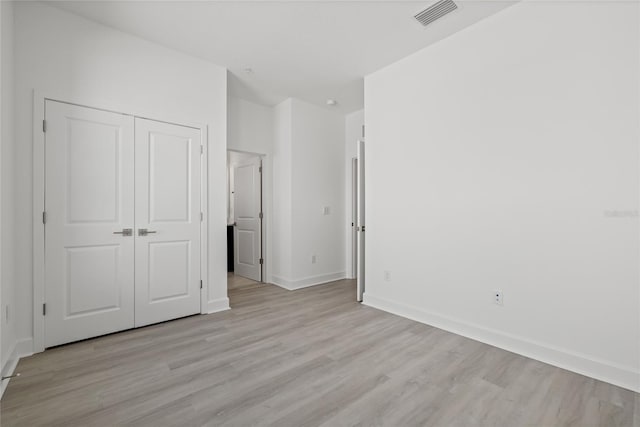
326,210
314,258
387,276
498,297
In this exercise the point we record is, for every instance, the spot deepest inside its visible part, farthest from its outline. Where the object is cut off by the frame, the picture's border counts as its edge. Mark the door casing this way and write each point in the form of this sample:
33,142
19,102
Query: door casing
361,224
39,100
354,217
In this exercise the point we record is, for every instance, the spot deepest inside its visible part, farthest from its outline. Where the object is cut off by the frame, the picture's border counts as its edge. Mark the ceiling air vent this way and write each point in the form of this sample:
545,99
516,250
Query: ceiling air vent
435,11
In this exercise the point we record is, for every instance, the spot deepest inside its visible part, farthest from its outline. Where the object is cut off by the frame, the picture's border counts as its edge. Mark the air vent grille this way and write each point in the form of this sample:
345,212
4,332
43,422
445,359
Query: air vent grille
435,11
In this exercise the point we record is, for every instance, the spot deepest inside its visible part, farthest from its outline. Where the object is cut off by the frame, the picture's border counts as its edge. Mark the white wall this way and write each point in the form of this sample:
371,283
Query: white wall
250,126
353,133
506,157
308,176
9,352
281,254
317,182
71,58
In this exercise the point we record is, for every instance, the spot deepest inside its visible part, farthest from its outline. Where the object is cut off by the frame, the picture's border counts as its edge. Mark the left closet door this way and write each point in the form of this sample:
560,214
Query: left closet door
89,203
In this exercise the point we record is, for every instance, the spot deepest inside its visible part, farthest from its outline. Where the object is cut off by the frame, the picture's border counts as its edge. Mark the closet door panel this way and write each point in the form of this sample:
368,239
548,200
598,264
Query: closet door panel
168,170
89,201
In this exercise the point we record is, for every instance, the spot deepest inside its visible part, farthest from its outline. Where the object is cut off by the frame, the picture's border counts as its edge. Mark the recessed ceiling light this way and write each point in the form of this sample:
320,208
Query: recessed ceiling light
332,102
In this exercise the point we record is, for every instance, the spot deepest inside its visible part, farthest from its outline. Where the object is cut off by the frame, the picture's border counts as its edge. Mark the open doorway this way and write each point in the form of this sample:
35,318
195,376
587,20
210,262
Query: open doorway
245,248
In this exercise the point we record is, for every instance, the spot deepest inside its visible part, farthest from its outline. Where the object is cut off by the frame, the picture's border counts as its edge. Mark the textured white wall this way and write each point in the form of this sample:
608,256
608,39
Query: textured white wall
506,157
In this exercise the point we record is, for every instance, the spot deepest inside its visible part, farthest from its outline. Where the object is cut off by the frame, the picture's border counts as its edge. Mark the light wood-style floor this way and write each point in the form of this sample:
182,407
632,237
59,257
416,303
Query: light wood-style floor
305,358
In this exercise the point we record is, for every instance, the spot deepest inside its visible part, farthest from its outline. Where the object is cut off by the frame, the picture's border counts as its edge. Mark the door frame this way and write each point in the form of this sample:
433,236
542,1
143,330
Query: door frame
362,220
39,101
354,217
265,207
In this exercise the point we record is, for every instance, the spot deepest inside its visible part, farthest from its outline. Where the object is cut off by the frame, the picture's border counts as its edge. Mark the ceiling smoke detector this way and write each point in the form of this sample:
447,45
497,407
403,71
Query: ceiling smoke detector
435,11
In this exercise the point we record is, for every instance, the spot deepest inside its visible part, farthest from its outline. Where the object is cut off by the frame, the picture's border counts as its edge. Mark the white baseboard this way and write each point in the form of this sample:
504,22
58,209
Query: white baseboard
216,305
305,282
603,370
20,349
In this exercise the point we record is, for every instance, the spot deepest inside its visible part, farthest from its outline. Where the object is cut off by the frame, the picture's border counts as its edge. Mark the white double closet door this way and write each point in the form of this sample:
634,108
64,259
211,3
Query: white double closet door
122,232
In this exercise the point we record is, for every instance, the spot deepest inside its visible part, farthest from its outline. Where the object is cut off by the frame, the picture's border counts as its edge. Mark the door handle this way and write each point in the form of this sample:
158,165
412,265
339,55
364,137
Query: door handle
125,232
144,232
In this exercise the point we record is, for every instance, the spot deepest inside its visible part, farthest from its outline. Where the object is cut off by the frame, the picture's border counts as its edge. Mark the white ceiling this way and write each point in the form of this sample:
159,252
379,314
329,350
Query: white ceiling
312,50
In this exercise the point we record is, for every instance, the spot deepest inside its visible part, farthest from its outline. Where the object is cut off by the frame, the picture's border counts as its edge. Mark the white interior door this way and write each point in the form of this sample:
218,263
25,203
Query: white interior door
89,202
247,211
167,217
361,222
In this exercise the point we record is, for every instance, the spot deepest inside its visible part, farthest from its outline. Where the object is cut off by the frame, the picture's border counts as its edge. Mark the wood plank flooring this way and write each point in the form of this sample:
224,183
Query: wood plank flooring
312,357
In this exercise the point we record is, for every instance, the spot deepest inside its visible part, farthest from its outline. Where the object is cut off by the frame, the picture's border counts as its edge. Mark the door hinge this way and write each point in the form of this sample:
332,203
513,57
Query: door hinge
44,217
261,215
201,216
363,131
260,169
44,309
44,126
201,149
200,284
363,228
261,261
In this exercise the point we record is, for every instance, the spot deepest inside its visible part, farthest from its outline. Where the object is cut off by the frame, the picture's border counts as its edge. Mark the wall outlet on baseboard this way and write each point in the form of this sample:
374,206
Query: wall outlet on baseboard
498,297
387,276
314,259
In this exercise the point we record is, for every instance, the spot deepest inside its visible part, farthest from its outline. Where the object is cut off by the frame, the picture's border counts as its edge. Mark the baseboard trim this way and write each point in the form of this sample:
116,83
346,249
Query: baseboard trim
20,349
292,285
217,305
612,373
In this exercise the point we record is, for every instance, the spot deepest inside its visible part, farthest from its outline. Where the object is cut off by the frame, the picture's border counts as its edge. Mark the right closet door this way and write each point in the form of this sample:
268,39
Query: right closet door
168,220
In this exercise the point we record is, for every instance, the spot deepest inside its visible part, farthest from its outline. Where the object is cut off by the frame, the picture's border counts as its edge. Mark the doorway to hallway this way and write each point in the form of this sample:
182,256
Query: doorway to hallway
245,215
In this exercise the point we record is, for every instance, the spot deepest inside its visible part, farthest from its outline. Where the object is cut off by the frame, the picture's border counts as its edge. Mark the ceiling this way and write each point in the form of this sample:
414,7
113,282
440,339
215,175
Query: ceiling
311,50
